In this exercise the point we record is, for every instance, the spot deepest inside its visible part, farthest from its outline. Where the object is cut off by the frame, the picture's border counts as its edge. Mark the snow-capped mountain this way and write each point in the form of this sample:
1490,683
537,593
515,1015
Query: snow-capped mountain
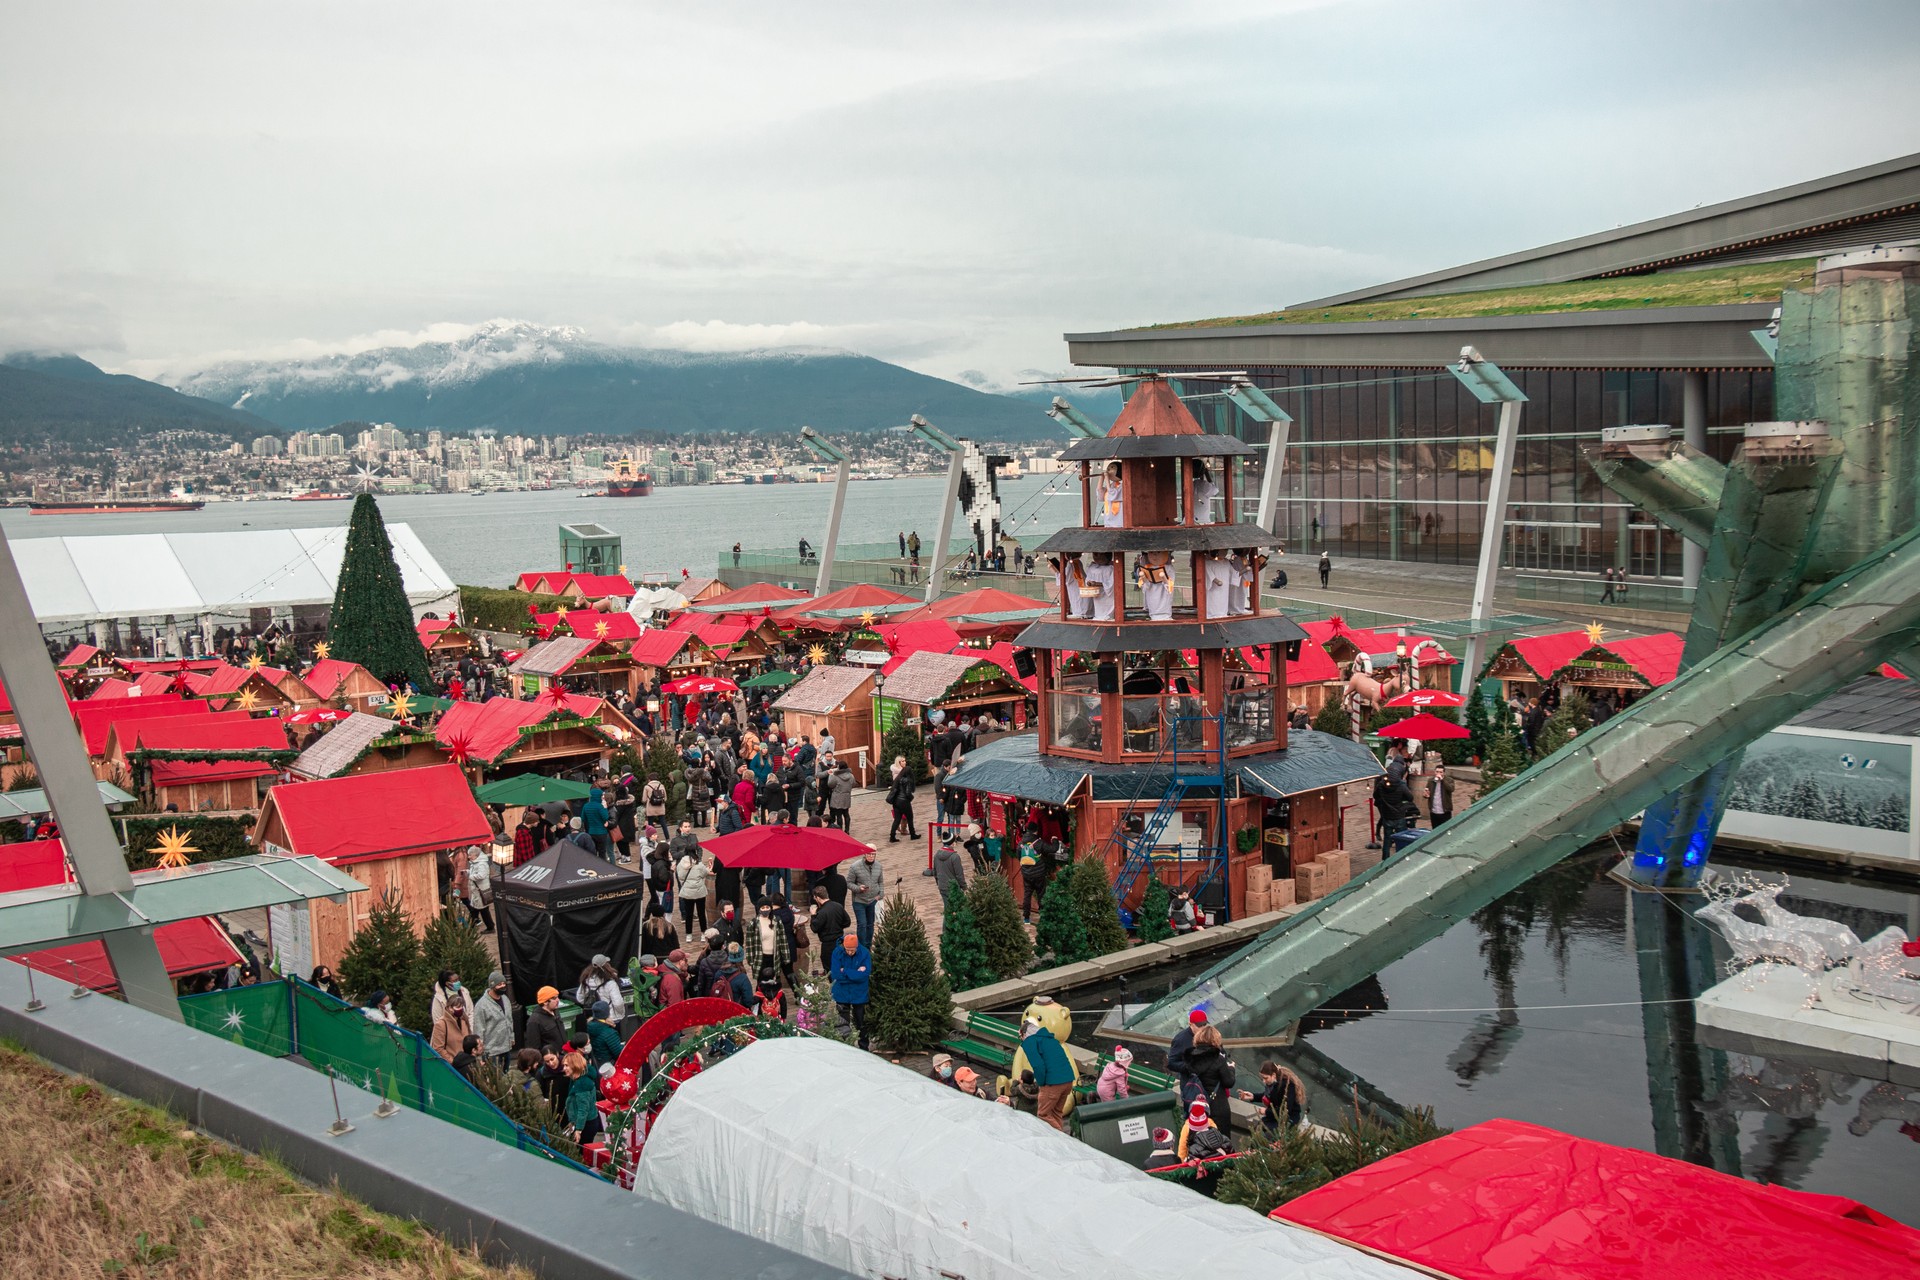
513,375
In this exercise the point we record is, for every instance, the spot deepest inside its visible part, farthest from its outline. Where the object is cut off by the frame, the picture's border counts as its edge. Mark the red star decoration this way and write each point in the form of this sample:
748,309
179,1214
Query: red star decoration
459,749
557,695
179,684
1337,622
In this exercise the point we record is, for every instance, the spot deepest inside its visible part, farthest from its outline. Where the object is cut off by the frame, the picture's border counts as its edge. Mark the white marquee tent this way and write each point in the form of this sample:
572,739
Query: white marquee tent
849,1160
210,576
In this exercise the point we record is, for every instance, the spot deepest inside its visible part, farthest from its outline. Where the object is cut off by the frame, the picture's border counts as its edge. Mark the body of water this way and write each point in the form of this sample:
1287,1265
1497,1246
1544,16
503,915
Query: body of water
485,539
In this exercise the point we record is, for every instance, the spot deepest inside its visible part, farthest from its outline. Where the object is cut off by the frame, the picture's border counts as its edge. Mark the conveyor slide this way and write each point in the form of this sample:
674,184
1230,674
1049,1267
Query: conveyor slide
1862,618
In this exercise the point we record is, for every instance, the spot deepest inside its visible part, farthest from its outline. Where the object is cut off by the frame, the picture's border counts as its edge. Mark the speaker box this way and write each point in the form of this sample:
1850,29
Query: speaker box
1107,677
1023,664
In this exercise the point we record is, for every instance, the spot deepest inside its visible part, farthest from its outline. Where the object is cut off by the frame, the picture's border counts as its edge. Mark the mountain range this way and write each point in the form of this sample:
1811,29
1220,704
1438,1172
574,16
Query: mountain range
67,399
532,379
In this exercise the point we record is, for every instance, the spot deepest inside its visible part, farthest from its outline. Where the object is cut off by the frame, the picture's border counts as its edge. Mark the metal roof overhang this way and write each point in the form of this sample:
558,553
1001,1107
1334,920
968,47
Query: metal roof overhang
1718,337
1013,766
1204,537
1137,637
1312,760
35,918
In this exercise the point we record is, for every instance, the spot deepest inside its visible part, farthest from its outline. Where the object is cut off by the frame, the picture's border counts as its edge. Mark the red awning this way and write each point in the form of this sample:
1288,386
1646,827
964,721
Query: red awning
186,946
379,815
1503,1199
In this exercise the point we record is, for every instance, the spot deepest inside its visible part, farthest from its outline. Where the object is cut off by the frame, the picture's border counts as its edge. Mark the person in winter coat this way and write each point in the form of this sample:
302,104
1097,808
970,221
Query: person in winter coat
1113,1082
729,819
1282,1099
1204,1135
699,795
1033,876
849,971
690,884
744,793
582,1093
626,808
948,870
544,1034
868,882
673,978
594,819
657,936
839,788
829,924
322,977
379,1008
493,1020
733,973
1211,1072
1052,1072
598,981
1180,1048
900,797
763,940
653,801
450,1032
479,887
443,988
603,1035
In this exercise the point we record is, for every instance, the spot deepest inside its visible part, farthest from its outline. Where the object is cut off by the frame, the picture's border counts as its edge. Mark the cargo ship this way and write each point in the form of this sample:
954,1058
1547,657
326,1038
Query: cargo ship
317,495
625,479
103,506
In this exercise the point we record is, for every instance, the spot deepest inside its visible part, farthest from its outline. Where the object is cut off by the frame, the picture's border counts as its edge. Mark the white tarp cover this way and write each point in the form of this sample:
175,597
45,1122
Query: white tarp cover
126,575
849,1160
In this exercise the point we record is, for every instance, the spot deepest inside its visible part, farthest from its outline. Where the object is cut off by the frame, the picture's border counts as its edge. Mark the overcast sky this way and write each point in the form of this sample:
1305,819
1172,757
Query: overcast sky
951,186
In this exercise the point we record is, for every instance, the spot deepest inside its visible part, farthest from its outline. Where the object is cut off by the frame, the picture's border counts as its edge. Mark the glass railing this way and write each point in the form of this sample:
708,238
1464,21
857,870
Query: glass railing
1653,596
1249,716
1076,721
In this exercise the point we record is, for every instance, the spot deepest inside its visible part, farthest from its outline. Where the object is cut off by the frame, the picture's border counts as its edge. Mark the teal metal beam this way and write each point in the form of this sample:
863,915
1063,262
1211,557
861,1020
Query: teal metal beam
1664,476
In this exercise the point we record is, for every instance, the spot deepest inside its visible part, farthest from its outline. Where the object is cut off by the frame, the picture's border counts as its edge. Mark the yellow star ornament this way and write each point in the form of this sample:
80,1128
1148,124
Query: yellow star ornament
1595,633
322,650
248,700
867,617
401,706
600,630
255,662
174,850
817,655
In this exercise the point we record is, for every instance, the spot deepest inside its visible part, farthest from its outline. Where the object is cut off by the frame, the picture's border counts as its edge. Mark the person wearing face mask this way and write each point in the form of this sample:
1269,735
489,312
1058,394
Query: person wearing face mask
443,987
942,1072
763,941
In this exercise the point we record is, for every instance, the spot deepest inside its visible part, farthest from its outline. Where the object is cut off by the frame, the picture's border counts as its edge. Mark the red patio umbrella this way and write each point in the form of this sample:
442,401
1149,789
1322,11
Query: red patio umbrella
317,715
797,848
1427,698
1424,727
700,684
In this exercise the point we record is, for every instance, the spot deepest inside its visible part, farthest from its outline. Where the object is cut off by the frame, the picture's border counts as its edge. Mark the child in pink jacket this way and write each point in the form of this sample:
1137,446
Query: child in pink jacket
1113,1076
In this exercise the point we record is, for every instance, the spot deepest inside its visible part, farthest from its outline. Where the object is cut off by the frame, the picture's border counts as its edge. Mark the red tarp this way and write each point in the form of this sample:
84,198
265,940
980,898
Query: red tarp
96,718
379,815
487,729
1378,641
32,864
1505,1200
658,648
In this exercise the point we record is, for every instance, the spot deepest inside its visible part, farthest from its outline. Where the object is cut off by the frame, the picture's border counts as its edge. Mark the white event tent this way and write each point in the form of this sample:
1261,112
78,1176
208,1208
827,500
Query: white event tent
207,577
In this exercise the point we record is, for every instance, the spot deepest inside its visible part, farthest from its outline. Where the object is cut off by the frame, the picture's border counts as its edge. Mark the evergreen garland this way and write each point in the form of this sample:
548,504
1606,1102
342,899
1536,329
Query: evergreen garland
1155,917
1093,900
1060,935
371,622
382,955
1009,949
910,1005
963,952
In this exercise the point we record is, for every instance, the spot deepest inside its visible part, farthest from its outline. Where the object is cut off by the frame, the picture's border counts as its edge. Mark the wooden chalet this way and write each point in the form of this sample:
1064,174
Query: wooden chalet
249,689
661,655
587,663
346,685
366,743
505,736
96,720
963,683
199,762
443,638
836,700
1359,647
386,830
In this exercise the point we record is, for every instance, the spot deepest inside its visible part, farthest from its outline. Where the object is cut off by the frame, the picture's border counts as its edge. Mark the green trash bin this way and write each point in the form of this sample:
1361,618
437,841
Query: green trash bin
1124,1127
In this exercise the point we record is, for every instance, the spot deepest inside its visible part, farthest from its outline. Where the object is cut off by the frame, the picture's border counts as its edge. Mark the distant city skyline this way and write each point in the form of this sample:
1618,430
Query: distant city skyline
949,189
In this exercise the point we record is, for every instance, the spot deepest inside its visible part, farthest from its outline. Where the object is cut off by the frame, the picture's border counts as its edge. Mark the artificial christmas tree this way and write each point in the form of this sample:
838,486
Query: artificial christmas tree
905,740
372,623
1155,917
1093,899
1333,719
963,952
1572,718
1060,936
909,1004
383,953
1479,729
1009,949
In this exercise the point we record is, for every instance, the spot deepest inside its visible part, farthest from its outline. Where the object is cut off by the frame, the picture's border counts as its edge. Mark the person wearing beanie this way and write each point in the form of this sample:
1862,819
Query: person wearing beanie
673,978
603,1039
734,974
1182,1045
849,969
1163,1150
942,1071
1052,1072
598,981
1201,1138
1113,1081
544,1033
493,1020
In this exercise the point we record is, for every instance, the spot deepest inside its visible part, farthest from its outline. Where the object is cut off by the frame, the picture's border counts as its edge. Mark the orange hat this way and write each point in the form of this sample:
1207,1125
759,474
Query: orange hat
965,1078
545,994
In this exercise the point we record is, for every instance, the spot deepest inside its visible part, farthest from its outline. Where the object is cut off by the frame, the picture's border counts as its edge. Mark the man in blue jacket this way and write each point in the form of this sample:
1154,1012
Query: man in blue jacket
1051,1071
850,969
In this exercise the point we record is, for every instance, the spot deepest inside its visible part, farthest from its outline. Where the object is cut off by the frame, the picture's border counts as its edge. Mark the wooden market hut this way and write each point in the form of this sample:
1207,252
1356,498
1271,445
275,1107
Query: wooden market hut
386,830
752,598
443,638
1526,665
836,700
1363,647
95,720
964,683
505,736
660,655
249,689
366,743
345,685
199,763
588,662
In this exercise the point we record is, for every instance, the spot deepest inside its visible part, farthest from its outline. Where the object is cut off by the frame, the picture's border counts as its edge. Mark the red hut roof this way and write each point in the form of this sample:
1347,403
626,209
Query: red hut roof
596,586
1377,642
145,686
1656,657
79,656
1155,410
488,730
587,624
658,648
1544,655
379,815
96,718
224,731
861,595
326,675
751,598
980,602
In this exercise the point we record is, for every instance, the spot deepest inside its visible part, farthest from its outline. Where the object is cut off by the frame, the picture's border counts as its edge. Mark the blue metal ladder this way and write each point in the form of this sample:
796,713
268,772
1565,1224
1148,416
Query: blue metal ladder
1137,851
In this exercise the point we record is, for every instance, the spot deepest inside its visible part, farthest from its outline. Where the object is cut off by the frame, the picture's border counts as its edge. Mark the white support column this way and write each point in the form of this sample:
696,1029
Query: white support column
823,581
99,863
937,562
1277,433
1491,536
1693,430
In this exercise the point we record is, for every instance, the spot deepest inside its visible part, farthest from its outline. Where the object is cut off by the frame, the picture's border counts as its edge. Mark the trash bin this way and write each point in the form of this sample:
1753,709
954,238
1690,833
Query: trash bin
1124,1127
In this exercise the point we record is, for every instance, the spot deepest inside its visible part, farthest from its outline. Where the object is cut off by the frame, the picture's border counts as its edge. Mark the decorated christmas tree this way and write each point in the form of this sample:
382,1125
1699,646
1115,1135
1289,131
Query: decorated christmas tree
382,955
1009,949
1093,899
963,952
372,623
817,1012
1156,911
1060,936
909,1004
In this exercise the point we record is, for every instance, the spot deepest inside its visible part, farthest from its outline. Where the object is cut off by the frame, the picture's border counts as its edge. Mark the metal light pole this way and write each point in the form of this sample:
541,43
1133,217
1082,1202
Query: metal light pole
825,450
1077,423
1256,404
956,460
1489,386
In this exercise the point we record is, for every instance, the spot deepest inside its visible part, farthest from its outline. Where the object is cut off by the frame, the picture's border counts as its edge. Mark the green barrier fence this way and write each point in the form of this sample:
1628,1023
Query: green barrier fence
291,1018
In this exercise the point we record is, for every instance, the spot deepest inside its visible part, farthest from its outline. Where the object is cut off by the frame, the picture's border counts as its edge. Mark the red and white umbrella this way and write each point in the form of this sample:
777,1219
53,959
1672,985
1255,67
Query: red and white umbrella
317,715
700,684
1427,698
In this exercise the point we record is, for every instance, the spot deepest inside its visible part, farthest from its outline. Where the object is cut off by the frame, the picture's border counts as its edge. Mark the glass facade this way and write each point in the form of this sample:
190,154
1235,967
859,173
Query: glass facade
1394,463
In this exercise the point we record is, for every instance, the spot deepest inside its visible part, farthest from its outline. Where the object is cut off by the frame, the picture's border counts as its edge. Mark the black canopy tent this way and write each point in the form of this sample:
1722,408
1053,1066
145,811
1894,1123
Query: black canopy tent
559,910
